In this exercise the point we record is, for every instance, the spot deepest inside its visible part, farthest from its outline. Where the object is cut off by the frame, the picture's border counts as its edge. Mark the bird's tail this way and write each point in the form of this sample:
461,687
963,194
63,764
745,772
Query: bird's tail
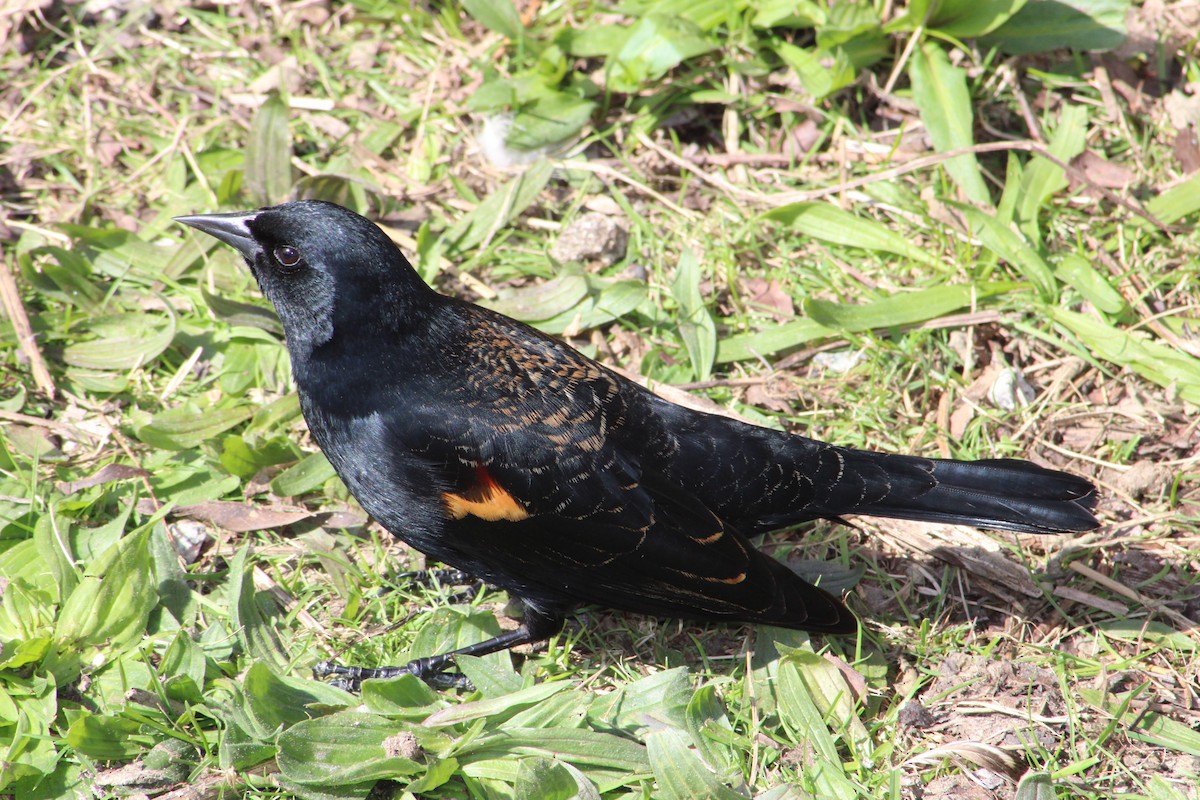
999,494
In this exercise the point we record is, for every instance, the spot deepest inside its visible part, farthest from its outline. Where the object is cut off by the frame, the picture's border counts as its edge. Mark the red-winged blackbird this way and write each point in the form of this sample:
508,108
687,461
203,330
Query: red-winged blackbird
494,448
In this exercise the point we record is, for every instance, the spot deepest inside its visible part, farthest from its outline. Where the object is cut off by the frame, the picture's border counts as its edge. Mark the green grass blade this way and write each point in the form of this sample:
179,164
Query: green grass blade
1043,178
500,207
1010,246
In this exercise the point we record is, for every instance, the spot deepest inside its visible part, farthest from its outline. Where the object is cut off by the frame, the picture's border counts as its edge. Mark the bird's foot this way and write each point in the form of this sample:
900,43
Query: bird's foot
444,577
430,670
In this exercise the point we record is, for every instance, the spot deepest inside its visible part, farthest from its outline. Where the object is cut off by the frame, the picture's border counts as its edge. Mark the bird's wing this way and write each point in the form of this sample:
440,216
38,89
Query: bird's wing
683,562
526,432
537,435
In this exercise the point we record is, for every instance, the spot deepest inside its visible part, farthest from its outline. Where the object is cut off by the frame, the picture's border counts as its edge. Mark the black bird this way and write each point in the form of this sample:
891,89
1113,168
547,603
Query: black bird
507,454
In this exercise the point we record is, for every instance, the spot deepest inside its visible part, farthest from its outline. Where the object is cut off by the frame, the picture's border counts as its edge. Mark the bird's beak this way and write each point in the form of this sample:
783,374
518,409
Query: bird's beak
232,228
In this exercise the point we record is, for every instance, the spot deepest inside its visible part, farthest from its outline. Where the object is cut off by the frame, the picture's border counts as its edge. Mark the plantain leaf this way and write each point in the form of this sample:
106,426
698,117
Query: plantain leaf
183,429
680,773
500,207
269,152
122,342
1159,363
773,340
829,223
500,16
940,90
1008,245
905,308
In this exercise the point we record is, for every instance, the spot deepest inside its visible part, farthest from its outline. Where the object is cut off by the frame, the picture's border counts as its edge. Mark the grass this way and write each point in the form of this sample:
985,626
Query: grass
942,196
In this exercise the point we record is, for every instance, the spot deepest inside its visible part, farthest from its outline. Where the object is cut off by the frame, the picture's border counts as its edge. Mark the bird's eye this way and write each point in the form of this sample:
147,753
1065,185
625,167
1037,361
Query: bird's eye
287,256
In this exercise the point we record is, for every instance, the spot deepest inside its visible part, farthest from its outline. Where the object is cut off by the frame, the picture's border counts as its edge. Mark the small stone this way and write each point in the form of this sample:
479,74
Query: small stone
914,715
591,237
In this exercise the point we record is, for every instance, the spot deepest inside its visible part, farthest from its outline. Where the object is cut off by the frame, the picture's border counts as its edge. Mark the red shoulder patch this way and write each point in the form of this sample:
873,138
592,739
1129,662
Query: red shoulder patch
486,499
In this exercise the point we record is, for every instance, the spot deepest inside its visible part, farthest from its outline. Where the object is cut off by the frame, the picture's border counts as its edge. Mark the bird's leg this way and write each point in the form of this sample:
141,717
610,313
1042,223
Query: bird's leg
538,626
427,577
445,577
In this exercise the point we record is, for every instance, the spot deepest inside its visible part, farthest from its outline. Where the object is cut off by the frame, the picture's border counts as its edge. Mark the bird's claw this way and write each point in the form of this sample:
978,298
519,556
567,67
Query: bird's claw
428,670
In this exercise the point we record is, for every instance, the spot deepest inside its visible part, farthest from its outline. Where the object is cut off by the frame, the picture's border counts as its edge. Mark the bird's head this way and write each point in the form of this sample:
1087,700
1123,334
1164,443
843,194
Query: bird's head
322,266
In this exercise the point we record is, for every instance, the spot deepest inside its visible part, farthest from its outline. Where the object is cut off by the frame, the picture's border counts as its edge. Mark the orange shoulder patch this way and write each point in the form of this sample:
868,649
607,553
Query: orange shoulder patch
485,499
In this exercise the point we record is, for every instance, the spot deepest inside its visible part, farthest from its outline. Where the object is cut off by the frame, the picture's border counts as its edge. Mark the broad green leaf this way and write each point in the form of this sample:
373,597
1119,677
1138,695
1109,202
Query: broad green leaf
184,429
680,773
904,308
350,747
106,738
1145,632
787,14
1043,178
68,277
545,779
829,223
855,32
272,702
705,715
1043,26
831,694
27,749
552,118
195,483
654,701
307,476
54,537
401,697
773,340
1175,203
970,19
503,705
1035,786
175,596
1077,272
655,44
1008,245
248,616
821,72
490,676
246,461
1144,725
269,152
825,774
542,300
581,747
500,16
1166,366
183,666
502,206
593,41
706,14
245,314
940,90
436,774
563,710
122,342
278,412
606,301
111,603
